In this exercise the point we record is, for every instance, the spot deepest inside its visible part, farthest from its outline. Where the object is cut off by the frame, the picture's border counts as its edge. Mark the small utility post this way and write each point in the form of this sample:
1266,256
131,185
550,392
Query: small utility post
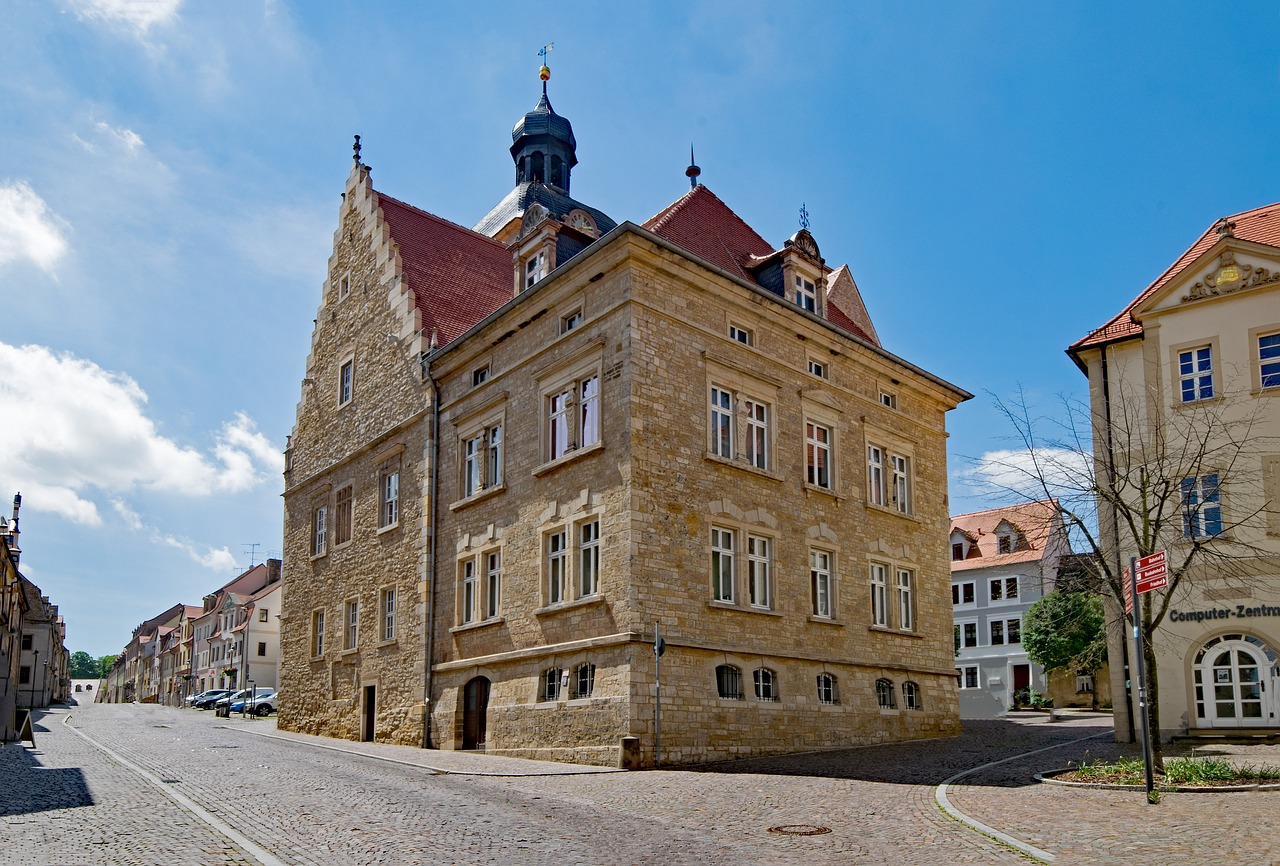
1142,677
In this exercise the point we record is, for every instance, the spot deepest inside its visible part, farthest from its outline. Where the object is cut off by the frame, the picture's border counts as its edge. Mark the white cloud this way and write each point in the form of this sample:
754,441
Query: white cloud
213,558
84,432
28,228
1065,472
141,15
118,137
285,241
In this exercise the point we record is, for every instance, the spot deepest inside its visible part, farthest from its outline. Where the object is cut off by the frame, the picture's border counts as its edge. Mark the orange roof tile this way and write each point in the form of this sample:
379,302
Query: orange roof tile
1260,225
1033,519
458,276
707,227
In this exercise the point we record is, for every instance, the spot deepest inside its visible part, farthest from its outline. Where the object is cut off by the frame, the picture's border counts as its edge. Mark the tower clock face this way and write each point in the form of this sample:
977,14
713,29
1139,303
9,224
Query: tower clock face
582,222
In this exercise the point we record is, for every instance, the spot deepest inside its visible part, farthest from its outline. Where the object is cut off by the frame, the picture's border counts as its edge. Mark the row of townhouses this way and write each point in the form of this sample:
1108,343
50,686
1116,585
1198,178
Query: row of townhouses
228,641
34,663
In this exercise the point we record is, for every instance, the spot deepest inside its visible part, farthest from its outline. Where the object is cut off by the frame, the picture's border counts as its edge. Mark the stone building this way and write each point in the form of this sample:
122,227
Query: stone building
1003,560
522,448
1184,384
13,611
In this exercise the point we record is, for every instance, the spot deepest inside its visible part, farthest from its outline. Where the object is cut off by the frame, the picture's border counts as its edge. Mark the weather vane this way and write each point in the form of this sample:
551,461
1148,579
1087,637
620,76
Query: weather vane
544,73
804,217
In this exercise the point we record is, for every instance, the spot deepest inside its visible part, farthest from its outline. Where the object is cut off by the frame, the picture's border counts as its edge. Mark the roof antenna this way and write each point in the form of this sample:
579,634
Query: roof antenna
692,171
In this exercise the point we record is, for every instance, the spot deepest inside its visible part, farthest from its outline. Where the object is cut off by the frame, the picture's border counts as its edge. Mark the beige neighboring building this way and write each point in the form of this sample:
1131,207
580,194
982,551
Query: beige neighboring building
1197,356
522,447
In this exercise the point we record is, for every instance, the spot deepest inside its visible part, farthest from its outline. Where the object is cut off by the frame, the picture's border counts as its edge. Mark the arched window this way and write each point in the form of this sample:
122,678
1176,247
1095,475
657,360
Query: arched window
911,696
828,689
729,682
584,680
766,682
536,168
557,171
550,690
884,694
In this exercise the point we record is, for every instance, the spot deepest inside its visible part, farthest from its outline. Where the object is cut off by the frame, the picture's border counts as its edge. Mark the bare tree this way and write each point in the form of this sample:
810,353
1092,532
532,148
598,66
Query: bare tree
1154,482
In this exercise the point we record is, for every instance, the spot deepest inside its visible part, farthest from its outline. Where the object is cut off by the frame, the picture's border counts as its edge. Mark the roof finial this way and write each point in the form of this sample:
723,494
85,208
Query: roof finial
355,150
544,72
804,217
692,171
1225,228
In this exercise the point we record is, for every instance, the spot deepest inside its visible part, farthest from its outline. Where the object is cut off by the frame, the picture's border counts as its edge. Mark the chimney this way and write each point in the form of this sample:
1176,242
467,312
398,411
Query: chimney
273,571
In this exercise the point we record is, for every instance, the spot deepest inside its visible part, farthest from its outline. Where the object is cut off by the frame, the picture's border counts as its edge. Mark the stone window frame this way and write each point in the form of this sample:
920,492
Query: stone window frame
831,574
490,473
551,684
572,319
319,530
904,594
350,624
764,682
343,286
911,697
570,379
1178,380
883,490
339,523
317,633
1256,361
805,293
388,599
389,500
758,565
828,688
888,399
572,558
477,561
583,680
729,682
886,695
1207,511
743,390
346,391
879,593
480,375
812,447
820,369
741,334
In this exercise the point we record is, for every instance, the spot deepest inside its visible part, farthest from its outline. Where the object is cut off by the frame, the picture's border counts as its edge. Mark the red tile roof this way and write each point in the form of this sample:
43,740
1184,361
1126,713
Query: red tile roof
1033,519
1260,225
458,276
707,227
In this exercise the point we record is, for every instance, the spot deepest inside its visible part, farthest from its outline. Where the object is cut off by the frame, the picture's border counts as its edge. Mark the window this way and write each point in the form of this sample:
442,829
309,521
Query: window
344,287
570,321
574,416
482,455
352,620
889,400
262,615
966,635
758,571
470,592
884,694
556,566
997,632
962,593
317,633
818,454
551,684
757,433
584,680
1004,544
742,335
479,375
1201,506
472,464
262,648
906,605
968,677
589,558
27,642
1269,360
911,696
493,583
901,483
957,552
342,516
1006,631
820,582
535,268
346,381
817,368
729,682
875,475
721,423
1195,374
319,528
24,675
828,689
389,613
879,596
1084,683
722,564
493,466
389,489
766,683
806,295
1004,588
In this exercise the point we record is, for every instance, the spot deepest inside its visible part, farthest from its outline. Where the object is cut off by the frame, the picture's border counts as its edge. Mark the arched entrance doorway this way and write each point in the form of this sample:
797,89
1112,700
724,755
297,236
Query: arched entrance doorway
1234,678
475,707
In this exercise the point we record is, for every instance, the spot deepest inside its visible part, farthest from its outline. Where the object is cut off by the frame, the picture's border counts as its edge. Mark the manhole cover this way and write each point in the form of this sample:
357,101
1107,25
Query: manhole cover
800,830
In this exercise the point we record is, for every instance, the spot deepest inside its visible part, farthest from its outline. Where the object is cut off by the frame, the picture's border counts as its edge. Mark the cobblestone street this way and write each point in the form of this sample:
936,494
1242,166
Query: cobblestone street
178,786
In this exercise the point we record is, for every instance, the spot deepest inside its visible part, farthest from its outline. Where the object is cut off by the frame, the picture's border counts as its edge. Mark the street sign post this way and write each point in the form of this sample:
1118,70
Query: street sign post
1156,576
1153,571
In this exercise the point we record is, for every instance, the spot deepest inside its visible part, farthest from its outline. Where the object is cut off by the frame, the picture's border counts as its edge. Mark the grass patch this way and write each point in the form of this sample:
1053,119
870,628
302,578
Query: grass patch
1207,771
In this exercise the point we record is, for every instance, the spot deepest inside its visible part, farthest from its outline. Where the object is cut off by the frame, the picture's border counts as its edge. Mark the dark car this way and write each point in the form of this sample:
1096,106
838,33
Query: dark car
222,706
262,705
209,698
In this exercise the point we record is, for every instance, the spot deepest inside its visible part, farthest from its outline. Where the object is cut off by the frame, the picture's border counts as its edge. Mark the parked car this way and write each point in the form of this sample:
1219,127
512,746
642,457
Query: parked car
222,706
208,699
263,704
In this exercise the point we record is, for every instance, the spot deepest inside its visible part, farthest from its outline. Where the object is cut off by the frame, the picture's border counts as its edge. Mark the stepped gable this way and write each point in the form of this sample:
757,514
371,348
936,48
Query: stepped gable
1260,225
458,276
707,227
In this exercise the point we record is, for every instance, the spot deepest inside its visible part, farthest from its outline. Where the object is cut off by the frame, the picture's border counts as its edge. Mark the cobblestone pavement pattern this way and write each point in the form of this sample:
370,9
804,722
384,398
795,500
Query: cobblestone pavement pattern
68,802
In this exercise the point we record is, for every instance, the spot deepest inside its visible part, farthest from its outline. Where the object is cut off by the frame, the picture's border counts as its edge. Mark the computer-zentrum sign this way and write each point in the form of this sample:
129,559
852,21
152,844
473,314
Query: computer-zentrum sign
1239,612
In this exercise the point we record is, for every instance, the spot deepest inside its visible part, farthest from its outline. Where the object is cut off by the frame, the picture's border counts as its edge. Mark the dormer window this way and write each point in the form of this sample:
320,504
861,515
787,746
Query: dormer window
1004,543
535,268
806,296
957,551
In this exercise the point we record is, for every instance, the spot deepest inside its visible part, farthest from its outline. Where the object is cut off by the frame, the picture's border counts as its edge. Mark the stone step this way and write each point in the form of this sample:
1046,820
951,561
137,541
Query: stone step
1232,736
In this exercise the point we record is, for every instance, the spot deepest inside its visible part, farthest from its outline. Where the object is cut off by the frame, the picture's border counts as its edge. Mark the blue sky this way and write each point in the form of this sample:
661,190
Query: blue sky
1001,177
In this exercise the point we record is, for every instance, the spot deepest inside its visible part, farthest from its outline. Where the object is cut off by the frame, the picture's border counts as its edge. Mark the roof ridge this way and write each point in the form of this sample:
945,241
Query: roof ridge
1002,508
437,218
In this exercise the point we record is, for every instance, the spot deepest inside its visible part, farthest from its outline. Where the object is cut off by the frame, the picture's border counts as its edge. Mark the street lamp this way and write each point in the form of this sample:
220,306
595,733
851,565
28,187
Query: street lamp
44,678
31,691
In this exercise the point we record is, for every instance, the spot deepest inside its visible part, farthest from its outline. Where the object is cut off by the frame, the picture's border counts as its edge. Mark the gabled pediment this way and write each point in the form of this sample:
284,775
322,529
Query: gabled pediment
1230,266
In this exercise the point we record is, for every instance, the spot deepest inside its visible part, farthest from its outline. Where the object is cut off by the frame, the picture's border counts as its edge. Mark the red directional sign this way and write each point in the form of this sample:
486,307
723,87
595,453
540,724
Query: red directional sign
1153,571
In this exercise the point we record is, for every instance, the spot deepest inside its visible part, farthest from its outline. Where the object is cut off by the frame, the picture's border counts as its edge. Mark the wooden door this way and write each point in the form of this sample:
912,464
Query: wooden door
475,707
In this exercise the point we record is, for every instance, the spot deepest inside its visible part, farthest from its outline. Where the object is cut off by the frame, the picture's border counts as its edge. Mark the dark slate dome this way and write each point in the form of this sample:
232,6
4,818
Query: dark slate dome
543,121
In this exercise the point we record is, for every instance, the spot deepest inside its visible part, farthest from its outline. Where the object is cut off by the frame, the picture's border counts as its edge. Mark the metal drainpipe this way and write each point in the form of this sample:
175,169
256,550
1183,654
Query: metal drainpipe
1115,522
431,546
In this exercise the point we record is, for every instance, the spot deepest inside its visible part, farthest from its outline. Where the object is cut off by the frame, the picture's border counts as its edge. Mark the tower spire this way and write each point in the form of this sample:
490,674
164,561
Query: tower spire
692,171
